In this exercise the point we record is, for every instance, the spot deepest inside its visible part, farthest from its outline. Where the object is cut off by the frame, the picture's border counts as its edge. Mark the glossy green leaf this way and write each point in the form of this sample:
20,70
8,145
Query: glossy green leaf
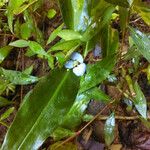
50,60
25,31
4,52
65,45
78,17
42,111
30,19
6,114
98,95
114,43
17,77
4,102
51,13
69,35
142,42
140,101
109,129
37,48
97,72
109,41
19,43
28,70
143,10
105,39
60,57
53,35
95,27
124,18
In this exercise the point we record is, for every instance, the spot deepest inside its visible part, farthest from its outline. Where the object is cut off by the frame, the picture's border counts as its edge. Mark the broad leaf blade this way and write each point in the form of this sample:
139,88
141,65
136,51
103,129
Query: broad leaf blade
69,35
53,35
19,43
109,129
140,101
78,17
17,77
4,52
97,72
42,111
6,114
142,42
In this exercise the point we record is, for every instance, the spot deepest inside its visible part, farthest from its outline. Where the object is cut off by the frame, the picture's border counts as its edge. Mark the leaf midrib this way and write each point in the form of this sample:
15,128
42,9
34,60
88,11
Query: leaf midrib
52,98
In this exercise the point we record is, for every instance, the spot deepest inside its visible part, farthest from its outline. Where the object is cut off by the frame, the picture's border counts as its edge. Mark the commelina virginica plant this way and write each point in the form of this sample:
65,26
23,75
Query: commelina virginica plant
96,45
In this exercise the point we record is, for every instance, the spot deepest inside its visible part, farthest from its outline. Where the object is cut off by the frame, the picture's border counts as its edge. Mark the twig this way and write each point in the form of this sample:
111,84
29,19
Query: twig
120,117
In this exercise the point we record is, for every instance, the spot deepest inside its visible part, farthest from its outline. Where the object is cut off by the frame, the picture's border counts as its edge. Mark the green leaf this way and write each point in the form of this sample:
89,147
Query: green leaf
65,45
140,101
17,77
4,52
19,43
51,13
25,31
6,114
143,10
97,94
3,85
4,102
109,129
97,72
53,35
76,112
142,42
28,70
78,17
60,57
50,59
15,6
74,116
109,40
124,18
37,48
69,35
42,111
96,26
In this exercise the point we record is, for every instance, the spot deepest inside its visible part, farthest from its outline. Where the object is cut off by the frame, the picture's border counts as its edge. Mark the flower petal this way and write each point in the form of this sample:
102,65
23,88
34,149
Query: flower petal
77,57
80,69
69,64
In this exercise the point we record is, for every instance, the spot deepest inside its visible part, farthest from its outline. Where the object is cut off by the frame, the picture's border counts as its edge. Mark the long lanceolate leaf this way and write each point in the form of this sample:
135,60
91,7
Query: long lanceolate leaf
97,72
142,42
42,111
75,13
17,77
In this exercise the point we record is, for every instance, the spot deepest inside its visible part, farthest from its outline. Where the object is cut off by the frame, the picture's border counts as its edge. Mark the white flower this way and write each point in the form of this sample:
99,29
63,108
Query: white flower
76,63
